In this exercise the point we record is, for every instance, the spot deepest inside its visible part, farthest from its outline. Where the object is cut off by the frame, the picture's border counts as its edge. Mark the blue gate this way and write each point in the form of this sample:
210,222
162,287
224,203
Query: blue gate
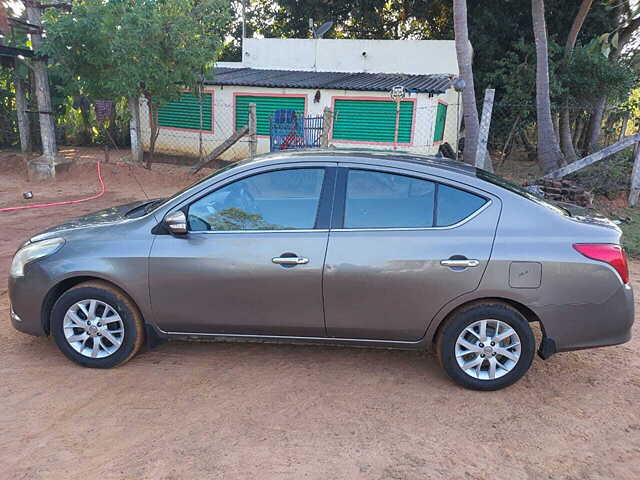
290,131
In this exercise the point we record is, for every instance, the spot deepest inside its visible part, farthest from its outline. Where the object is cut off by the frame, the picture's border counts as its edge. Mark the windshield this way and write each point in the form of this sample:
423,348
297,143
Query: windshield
164,201
512,187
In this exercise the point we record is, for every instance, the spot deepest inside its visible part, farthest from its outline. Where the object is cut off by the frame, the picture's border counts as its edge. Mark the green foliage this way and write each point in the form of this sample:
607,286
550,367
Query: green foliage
374,19
587,73
121,48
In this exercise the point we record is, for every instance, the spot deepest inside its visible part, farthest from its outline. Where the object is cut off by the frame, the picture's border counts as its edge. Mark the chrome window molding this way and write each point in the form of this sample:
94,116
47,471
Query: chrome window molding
218,232
418,229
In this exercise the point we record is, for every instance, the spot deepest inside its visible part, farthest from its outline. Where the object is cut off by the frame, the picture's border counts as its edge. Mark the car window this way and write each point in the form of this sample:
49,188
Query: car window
454,205
386,200
277,200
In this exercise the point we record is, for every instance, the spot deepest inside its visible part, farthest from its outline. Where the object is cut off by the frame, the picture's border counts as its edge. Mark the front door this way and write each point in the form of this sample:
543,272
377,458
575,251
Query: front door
252,260
403,246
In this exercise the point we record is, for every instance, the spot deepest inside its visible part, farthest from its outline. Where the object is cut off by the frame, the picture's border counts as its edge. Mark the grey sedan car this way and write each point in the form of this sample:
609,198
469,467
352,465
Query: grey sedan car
341,247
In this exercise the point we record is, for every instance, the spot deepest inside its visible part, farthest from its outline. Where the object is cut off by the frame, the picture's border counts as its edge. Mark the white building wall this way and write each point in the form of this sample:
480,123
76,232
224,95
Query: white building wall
187,143
417,57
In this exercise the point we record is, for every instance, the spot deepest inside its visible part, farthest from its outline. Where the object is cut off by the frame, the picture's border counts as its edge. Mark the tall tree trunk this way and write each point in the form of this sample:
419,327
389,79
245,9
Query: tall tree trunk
24,126
47,130
134,130
155,131
595,128
549,154
465,64
566,138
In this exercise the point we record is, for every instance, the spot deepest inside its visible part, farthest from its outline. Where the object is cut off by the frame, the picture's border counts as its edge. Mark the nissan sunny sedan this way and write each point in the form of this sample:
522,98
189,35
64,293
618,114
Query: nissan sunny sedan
340,247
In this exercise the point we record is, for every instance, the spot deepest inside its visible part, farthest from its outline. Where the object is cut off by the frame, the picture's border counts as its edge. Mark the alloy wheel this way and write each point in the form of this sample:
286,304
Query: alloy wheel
488,349
93,328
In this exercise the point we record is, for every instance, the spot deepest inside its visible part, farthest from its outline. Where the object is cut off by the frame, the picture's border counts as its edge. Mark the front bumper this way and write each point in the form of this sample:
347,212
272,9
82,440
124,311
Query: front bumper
26,296
590,325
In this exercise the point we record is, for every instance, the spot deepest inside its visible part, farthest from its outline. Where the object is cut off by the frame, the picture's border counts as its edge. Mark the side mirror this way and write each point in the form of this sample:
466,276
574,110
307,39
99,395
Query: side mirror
176,223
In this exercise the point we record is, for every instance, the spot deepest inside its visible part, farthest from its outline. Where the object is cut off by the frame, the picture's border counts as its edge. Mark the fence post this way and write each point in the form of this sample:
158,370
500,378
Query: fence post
327,118
485,124
635,177
253,140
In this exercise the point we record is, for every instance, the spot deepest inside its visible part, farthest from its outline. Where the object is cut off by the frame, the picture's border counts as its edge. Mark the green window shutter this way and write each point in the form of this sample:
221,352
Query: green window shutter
185,112
441,121
265,107
372,120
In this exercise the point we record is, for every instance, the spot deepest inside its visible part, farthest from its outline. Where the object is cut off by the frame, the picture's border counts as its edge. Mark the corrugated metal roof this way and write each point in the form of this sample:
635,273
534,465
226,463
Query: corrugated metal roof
334,80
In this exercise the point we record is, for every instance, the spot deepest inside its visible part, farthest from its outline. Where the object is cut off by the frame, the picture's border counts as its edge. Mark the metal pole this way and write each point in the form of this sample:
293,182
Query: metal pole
200,131
458,125
395,134
244,28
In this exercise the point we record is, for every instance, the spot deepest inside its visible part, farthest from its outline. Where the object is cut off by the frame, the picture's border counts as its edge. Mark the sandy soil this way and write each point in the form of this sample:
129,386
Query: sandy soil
206,410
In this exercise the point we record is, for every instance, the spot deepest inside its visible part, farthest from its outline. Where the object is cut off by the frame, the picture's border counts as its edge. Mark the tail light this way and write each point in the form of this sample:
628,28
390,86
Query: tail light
605,252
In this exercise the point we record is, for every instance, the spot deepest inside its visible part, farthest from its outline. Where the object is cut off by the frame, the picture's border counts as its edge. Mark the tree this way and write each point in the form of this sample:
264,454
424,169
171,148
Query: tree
465,64
612,46
566,137
137,48
549,154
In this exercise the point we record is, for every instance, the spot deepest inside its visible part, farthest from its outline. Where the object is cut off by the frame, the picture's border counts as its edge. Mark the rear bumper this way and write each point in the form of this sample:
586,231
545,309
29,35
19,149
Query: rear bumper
590,325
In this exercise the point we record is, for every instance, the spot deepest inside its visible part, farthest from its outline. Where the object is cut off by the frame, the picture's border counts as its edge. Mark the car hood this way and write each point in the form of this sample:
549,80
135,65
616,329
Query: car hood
101,217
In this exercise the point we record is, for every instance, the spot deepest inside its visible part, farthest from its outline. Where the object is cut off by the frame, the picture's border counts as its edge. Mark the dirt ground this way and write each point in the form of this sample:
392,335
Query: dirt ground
207,410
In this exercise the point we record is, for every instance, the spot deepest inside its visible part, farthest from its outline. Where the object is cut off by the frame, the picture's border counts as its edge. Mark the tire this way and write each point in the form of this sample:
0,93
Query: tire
116,318
510,357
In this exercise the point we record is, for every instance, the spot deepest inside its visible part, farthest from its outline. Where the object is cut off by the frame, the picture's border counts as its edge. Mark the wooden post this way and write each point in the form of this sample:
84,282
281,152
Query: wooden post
635,178
134,129
327,117
253,128
45,110
21,106
482,157
594,157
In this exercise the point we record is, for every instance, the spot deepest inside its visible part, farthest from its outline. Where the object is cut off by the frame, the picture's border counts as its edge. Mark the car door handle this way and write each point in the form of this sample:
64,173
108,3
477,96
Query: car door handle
290,260
459,263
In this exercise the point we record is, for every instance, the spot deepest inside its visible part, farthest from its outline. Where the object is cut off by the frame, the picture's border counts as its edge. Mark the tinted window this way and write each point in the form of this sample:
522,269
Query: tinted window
278,200
385,200
455,205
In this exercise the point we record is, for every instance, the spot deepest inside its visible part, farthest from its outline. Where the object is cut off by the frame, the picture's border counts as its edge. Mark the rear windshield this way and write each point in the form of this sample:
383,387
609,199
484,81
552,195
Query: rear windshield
512,187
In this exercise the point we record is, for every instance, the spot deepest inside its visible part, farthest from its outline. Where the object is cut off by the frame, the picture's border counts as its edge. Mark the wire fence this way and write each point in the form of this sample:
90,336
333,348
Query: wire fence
419,126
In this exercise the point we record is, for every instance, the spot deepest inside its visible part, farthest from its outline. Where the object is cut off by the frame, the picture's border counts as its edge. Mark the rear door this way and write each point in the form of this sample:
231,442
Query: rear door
401,246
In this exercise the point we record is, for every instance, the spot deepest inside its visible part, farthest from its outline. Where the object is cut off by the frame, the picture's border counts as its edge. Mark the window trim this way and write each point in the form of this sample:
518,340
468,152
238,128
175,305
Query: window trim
340,197
323,213
265,94
369,142
194,130
435,123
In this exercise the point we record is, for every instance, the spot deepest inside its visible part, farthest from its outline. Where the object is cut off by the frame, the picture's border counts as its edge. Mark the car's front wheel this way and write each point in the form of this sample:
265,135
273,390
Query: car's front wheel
96,325
486,346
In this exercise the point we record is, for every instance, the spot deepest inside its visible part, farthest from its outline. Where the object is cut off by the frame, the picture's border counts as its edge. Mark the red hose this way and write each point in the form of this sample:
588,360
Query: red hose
68,202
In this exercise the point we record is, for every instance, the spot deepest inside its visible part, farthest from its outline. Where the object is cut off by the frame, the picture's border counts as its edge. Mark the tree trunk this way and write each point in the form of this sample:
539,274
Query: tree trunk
155,131
596,124
134,130
24,126
39,64
566,139
465,64
549,154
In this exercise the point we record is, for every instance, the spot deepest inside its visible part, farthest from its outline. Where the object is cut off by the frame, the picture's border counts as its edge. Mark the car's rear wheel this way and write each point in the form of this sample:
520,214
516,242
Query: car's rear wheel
486,346
96,325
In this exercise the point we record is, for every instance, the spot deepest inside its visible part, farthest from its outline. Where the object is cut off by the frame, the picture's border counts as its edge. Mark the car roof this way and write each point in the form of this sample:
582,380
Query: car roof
338,154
